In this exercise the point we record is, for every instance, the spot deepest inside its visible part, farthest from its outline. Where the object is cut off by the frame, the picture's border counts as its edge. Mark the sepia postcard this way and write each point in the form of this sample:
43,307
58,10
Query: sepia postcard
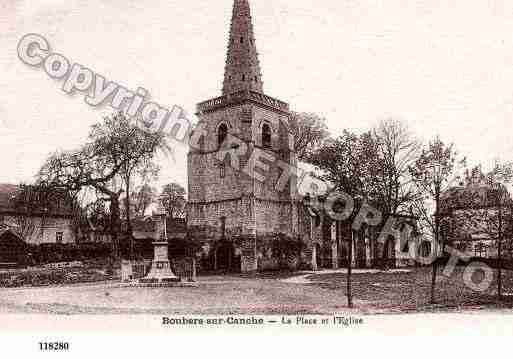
185,172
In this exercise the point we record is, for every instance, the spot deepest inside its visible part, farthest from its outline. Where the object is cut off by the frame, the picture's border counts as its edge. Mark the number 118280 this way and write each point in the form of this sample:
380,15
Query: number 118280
53,346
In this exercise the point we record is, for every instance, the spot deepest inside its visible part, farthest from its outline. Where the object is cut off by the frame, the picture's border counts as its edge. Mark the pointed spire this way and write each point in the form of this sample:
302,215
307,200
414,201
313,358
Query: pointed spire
242,71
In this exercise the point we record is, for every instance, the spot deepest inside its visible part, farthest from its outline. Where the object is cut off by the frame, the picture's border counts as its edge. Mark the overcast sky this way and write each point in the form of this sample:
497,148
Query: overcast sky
444,66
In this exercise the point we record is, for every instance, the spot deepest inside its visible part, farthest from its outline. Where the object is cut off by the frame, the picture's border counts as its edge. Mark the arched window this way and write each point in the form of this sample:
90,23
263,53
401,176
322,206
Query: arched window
266,136
222,133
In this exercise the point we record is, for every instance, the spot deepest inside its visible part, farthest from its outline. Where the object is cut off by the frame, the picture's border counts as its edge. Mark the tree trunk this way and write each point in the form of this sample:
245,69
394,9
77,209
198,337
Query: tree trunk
435,246
433,280
435,270
499,256
129,231
499,270
349,270
115,225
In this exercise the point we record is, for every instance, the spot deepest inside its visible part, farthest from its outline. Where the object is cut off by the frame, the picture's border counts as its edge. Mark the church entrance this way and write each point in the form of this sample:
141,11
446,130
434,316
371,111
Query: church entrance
361,255
425,249
225,259
389,253
342,253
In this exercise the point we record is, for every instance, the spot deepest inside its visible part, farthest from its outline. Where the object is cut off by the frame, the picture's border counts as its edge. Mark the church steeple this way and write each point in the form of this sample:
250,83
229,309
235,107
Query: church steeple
242,71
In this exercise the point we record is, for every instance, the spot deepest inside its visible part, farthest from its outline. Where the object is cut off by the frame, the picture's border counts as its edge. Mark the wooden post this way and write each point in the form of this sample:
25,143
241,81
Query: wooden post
499,252
194,269
215,259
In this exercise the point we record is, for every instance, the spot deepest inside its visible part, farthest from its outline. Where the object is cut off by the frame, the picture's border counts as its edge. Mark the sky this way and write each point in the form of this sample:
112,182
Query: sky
443,66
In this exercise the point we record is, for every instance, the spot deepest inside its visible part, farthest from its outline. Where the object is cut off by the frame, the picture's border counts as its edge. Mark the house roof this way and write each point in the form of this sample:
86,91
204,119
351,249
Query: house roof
7,191
474,196
7,230
60,204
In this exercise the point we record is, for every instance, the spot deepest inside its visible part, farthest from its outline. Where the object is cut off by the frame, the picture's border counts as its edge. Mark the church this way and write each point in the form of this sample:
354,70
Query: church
247,215
233,210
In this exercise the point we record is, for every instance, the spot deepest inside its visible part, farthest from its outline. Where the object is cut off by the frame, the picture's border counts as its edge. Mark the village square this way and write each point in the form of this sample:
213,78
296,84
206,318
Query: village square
280,214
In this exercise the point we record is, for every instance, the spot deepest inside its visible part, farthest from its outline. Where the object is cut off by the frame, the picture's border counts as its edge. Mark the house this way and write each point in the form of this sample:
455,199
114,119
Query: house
471,216
35,222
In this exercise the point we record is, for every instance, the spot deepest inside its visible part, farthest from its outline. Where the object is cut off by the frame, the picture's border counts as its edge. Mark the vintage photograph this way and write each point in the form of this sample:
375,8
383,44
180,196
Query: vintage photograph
256,161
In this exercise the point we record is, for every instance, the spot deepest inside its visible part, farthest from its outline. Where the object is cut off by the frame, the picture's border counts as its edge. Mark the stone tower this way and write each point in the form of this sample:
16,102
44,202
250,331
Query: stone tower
241,163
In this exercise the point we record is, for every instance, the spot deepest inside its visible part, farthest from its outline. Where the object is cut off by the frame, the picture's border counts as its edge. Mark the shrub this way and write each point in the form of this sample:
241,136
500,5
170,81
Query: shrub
285,251
55,253
179,248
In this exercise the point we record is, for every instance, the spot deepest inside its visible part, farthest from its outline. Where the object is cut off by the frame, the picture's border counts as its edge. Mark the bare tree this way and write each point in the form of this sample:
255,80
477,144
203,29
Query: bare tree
309,131
433,173
347,163
81,169
142,199
75,205
499,178
398,148
113,146
138,151
173,199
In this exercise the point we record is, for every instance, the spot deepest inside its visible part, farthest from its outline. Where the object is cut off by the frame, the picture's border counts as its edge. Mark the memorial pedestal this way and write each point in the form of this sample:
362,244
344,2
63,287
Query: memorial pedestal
160,272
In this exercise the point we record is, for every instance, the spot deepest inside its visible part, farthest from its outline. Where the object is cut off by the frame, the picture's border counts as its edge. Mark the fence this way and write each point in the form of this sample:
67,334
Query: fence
185,268
133,270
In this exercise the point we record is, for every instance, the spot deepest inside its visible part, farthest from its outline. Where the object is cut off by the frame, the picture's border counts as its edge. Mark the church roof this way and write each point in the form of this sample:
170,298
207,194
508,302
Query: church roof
242,71
242,78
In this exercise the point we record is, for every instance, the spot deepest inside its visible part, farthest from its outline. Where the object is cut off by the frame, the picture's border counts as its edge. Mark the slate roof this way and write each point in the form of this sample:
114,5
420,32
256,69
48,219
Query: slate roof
5,230
473,196
7,191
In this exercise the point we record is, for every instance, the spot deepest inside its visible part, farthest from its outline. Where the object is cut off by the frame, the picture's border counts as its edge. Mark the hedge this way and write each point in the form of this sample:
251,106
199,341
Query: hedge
55,253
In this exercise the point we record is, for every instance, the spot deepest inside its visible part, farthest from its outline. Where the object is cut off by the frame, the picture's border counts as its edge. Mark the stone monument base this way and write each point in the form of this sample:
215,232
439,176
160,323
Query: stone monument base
160,274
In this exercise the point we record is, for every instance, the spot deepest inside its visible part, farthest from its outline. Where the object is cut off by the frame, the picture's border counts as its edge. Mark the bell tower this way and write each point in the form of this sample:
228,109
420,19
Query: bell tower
241,156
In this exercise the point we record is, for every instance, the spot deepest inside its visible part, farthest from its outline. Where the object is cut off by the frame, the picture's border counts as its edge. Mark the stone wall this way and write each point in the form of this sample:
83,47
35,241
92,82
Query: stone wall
245,198
273,217
205,219
245,125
